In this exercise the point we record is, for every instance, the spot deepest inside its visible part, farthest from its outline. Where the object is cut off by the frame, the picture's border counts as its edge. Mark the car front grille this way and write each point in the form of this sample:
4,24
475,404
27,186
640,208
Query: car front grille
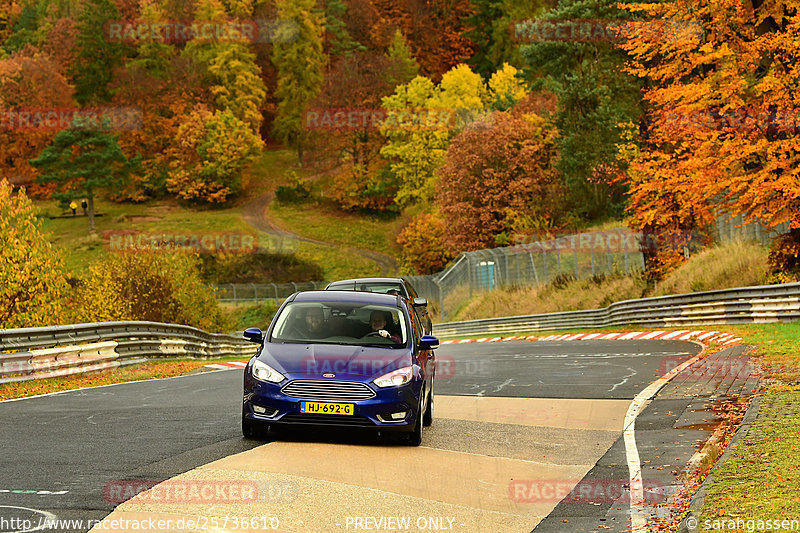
329,391
327,420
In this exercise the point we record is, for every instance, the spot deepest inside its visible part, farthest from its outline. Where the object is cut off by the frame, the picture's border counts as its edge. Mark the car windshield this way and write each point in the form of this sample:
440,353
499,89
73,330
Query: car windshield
381,287
337,323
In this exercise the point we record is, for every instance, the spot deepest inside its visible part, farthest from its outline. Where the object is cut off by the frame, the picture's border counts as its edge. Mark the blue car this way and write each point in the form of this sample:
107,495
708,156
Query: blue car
342,359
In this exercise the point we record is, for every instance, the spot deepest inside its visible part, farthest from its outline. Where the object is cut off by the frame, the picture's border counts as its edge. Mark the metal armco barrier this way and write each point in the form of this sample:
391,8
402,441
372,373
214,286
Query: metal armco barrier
744,305
36,353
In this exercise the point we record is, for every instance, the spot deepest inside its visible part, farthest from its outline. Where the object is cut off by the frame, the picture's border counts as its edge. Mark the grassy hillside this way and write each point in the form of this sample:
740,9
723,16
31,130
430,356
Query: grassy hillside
316,220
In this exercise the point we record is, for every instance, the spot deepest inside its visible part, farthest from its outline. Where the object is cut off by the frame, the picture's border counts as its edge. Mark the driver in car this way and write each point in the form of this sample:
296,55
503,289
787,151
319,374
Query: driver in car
313,325
377,321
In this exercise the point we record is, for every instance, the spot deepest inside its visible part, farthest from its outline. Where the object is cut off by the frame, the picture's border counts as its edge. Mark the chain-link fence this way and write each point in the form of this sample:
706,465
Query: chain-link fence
258,292
580,256
733,228
577,256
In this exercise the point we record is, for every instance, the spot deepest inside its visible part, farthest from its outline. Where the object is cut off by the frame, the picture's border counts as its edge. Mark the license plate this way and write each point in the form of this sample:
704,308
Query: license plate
327,408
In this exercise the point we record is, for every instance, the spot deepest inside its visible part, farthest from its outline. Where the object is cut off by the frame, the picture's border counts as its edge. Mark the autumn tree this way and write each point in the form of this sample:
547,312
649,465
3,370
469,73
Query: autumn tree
423,117
82,160
30,82
211,153
722,80
33,285
299,59
425,246
500,179
594,97
356,83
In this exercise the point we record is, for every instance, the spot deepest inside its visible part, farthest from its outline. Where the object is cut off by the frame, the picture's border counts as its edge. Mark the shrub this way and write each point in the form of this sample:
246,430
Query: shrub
299,189
159,287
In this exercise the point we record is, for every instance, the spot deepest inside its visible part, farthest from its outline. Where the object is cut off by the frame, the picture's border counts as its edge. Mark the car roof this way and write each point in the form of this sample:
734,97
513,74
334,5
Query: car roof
347,296
367,280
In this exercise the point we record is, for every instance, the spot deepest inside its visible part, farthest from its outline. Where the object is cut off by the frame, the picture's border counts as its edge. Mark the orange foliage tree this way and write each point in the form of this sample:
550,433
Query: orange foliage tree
424,242
722,81
30,82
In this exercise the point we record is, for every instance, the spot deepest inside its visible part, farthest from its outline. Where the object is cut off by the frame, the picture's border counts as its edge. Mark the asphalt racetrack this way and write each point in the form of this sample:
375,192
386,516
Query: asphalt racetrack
508,417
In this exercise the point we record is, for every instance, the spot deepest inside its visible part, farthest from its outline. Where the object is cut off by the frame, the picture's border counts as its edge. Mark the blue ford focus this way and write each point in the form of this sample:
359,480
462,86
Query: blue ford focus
343,359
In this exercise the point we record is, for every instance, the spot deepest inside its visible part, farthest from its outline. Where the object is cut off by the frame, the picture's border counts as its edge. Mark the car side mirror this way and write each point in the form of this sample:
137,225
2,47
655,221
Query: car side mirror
253,335
420,302
428,342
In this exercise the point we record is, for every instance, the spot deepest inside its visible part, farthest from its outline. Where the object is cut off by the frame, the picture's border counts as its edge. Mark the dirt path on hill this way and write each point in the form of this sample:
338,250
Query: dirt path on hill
255,214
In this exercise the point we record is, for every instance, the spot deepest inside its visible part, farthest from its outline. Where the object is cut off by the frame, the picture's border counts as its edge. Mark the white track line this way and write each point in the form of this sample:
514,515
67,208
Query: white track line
638,519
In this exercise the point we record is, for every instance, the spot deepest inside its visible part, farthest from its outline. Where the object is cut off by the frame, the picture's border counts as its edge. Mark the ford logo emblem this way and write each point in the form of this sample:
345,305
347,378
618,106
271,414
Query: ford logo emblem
328,375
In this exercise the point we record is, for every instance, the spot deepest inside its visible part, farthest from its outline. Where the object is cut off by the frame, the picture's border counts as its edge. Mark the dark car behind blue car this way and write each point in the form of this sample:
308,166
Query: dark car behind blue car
344,359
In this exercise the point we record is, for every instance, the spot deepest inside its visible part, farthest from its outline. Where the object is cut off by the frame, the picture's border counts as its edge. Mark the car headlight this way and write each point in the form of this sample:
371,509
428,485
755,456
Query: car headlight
264,372
398,377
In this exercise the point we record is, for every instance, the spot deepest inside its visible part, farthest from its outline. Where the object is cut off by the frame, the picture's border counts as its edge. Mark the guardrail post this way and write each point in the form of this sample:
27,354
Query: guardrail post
591,255
233,288
294,285
276,291
255,292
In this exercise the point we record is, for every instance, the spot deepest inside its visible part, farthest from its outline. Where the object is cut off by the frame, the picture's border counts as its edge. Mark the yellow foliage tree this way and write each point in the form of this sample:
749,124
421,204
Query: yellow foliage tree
33,284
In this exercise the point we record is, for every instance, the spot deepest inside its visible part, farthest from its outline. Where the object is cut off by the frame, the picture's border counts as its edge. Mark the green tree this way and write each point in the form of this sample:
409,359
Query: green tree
95,56
24,30
595,97
33,285
402,66
340,42
300,62
83,159
489,26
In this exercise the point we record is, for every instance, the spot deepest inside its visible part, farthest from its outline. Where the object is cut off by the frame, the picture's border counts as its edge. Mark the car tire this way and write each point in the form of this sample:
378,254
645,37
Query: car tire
415,437
427,418
251,430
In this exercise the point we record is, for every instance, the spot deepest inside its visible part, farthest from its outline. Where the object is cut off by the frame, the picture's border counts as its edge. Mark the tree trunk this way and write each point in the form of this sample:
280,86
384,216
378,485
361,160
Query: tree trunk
91,213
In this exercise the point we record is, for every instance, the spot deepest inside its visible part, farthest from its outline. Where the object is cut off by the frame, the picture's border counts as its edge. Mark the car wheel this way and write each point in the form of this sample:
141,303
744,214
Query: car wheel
252,430
427,418
415,437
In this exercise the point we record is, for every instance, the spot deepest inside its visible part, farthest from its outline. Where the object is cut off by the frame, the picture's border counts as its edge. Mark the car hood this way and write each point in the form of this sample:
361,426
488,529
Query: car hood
314,360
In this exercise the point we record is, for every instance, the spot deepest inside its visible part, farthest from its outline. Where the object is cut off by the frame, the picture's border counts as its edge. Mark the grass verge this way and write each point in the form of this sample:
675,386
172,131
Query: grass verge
760,480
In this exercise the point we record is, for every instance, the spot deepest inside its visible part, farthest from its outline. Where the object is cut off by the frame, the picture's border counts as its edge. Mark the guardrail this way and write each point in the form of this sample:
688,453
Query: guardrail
744,305
36,353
